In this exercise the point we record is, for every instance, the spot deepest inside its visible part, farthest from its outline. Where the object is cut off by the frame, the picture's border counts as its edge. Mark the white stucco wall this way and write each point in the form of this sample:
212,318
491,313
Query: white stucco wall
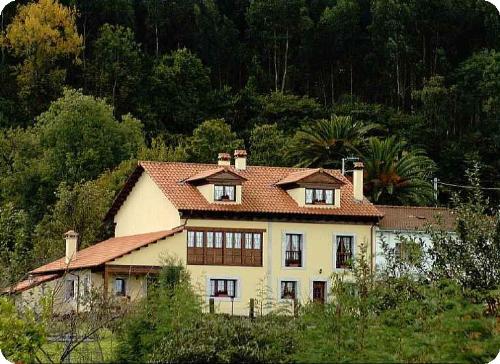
145,210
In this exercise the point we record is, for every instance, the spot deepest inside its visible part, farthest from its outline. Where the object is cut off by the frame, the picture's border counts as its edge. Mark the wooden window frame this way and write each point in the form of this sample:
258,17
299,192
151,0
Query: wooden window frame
236,254
323,199
225,196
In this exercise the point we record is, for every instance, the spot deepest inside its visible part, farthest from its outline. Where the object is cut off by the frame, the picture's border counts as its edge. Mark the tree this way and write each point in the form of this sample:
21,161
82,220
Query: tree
268,146
179,87
81,138
209,139
340,25
471,256
21,333
288,111
81,208
277,28
116,67
325,142
15,244
394,174
43,34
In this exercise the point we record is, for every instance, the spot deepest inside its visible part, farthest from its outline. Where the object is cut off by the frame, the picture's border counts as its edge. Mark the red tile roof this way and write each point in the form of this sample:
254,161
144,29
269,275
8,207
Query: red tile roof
261,194
106,251
212,172
414,218
31,282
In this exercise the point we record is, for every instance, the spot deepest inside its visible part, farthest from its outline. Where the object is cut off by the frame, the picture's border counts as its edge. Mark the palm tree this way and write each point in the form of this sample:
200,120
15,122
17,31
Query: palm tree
395,175
326,142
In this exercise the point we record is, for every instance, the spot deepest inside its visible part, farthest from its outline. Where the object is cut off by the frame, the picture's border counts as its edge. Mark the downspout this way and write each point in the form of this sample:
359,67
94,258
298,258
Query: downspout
371,249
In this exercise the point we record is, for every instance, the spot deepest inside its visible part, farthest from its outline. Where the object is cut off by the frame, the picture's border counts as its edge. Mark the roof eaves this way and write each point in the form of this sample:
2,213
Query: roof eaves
124,192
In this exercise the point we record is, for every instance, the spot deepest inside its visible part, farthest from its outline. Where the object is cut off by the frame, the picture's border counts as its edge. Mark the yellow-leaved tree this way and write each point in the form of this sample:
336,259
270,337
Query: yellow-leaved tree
44,35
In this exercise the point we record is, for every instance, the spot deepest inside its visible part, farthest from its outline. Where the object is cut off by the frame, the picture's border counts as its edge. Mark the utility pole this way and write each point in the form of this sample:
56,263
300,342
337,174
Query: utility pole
436,180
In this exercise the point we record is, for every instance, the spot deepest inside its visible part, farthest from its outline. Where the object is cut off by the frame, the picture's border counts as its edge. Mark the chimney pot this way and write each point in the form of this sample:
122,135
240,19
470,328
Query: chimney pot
240,159
71,238
224,159
357,181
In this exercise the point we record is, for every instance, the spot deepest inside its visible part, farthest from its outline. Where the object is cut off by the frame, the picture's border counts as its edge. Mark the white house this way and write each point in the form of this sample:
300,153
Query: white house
408,222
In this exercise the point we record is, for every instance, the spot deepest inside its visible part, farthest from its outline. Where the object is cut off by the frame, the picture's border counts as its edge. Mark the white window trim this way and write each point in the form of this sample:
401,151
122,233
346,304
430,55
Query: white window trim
297,289
237,297
283,249
328,286
334,253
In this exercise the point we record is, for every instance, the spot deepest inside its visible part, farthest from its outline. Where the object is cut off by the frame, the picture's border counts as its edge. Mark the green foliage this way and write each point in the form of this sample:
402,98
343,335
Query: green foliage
416,321
15,244
289,111
169,326
116,67
21,334
179,87
472,255
209,139
81,138
43,34
81,208
394,174
268,146
326,142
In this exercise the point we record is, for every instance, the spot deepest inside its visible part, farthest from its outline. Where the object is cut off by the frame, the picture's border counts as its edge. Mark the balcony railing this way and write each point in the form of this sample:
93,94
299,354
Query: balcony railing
293,258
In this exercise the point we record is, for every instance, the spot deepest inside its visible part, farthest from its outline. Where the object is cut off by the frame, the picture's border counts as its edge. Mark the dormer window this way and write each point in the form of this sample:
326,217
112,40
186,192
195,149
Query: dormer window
319,196
225,193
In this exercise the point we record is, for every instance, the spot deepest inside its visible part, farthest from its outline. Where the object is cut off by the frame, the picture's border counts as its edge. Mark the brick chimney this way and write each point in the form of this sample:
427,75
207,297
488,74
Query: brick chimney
357,181
224,159
71,238
240,159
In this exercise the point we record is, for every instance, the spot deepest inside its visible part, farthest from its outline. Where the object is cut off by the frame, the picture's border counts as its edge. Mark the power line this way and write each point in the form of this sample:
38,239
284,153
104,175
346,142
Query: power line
469,187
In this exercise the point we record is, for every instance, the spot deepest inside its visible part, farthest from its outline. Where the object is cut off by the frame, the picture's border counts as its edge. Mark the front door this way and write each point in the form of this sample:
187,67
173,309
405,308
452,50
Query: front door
319,291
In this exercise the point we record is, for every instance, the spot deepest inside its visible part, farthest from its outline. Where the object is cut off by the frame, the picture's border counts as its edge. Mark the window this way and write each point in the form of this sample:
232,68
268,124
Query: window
199,239
408,251
344,251
218,240
69,289
120,289
224,193
226,247
293,250
288,290
86,285
191,239
318,196
223,288
237,240
210,239
229,240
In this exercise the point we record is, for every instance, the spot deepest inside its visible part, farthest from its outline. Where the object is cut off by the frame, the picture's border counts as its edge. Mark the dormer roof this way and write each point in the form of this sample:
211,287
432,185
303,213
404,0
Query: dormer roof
317,176
220,174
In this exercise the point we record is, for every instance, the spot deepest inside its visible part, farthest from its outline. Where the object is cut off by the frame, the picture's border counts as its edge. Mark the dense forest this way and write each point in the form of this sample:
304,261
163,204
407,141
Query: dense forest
412,87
